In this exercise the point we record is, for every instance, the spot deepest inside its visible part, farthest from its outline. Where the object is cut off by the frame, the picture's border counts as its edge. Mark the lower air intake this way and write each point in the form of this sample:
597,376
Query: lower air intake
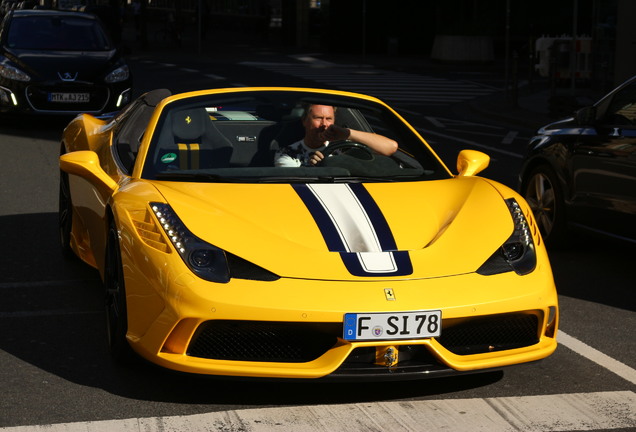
263,341
489,334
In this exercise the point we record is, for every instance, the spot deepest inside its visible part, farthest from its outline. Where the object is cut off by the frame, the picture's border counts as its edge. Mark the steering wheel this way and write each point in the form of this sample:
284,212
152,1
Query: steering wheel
344,145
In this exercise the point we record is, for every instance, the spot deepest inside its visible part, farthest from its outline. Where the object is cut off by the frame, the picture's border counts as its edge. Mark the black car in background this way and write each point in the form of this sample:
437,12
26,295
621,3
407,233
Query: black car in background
59,62
580,172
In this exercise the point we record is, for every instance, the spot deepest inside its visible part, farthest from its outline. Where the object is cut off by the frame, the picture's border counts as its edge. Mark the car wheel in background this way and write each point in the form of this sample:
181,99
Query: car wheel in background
545,197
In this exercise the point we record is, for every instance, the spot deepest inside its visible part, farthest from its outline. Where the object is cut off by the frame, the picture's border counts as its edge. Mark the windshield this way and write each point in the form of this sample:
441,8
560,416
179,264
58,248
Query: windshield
57,33
242,137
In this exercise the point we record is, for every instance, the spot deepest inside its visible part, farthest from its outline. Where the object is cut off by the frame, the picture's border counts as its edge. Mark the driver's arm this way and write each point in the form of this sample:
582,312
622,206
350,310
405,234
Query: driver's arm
379,143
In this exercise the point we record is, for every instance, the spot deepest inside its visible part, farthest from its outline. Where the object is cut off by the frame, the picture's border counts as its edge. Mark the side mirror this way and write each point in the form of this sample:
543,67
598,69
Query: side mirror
585,116
85,164
471,162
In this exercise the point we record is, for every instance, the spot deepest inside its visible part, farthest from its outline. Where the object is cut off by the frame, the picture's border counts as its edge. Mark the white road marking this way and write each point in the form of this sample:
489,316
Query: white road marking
450,138
312,60
510,137
475,133
620,369
546,413
435,122
445,122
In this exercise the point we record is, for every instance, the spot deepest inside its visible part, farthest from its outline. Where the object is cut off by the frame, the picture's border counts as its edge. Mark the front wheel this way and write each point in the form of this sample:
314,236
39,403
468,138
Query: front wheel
116,310
65,215
545,197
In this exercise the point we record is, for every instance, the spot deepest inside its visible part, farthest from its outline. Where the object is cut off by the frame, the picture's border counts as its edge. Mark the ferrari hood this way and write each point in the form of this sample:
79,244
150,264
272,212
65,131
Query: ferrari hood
348,231
88,66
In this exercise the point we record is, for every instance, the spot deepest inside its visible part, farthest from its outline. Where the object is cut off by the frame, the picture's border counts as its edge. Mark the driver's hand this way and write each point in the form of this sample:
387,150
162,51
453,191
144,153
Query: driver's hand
315,158
335,133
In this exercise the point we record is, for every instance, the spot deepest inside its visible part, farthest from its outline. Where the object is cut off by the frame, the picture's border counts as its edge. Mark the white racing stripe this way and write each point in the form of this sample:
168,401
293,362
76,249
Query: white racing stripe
354,226
348,216
548,413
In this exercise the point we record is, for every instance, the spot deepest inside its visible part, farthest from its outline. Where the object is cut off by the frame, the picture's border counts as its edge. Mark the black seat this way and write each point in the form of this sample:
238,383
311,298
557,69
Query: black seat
199,144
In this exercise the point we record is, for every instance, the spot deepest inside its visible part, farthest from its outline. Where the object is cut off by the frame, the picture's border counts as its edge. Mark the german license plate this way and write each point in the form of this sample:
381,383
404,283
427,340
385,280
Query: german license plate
394,325
69,97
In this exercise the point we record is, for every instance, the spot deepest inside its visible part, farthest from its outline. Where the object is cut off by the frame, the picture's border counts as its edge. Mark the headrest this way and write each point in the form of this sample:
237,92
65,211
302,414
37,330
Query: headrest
189,124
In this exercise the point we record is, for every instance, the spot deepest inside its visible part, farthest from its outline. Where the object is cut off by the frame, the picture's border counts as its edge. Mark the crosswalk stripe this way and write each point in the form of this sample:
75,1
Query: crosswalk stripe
547,413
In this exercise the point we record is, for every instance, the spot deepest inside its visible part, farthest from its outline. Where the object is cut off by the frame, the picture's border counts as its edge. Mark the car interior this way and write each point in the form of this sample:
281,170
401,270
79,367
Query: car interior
239,140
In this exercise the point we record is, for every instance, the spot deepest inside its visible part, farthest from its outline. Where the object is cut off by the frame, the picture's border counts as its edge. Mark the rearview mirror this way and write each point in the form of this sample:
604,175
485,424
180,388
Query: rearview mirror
85,164
585,116
471,162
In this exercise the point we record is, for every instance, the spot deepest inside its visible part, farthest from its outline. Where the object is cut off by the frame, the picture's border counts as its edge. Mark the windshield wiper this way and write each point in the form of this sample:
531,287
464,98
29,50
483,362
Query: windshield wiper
196,177
300,179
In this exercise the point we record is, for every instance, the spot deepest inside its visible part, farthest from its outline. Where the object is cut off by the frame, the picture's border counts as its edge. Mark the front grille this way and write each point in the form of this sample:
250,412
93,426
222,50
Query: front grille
263,341
38,97
489,334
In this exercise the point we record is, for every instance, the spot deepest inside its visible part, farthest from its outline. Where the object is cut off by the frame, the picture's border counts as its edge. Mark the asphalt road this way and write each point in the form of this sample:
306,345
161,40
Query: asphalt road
54,365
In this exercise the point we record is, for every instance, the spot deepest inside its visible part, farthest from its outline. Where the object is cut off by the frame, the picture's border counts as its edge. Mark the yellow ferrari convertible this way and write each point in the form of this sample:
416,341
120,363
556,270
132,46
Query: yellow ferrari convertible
364,263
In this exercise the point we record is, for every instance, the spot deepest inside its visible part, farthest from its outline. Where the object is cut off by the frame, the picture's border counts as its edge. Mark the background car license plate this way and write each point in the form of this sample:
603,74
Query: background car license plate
395,325
69,97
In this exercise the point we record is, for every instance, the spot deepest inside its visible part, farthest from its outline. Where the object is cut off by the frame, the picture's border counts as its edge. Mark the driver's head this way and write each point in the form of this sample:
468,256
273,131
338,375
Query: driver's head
316,119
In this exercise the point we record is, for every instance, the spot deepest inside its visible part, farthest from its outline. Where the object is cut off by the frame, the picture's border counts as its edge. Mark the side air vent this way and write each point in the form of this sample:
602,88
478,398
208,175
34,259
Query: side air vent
149,231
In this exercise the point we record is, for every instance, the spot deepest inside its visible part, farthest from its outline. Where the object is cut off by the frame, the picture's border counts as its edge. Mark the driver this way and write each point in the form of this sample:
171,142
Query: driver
318,121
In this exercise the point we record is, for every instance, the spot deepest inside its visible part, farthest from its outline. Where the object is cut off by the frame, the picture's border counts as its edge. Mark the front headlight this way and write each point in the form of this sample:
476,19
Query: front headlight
518,252
120,74
13,73
205,260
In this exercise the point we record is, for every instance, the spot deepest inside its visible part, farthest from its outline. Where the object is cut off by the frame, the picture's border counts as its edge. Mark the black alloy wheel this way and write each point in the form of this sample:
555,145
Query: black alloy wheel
116,311
65,215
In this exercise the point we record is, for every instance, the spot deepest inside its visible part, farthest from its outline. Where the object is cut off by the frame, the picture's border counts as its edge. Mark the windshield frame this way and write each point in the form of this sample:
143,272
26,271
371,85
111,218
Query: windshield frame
414,160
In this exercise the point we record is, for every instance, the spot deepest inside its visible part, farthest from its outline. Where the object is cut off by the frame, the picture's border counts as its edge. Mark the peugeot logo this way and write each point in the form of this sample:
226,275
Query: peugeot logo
67,76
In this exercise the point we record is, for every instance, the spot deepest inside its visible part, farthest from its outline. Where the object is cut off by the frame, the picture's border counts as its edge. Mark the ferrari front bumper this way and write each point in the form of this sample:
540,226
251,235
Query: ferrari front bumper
294,328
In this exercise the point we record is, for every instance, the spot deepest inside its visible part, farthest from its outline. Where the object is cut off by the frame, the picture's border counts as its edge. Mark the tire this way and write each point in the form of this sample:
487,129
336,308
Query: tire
65,215
116,310
544,194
